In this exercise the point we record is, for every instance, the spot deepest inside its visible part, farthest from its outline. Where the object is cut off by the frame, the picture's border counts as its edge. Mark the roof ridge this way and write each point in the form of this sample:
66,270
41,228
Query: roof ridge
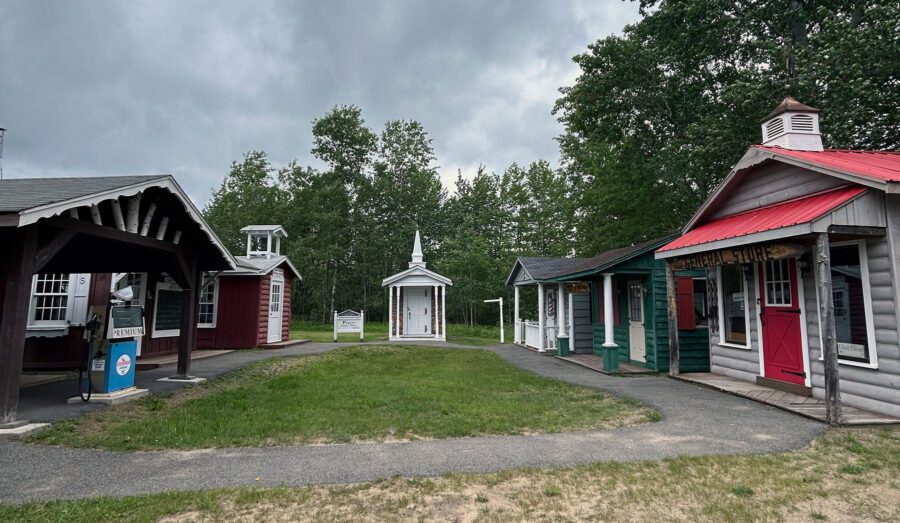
826,150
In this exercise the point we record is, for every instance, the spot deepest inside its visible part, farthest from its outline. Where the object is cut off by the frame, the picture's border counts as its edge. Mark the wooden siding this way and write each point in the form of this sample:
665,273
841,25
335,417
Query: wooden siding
694,348
737,363
772,183
236,318
867,211
871,389
581,306
262,318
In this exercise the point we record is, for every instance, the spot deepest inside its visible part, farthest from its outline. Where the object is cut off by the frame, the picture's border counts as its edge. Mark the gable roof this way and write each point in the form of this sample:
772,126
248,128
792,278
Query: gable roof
260,265
416,270
609,259
540,268
876,169
22,194
24,201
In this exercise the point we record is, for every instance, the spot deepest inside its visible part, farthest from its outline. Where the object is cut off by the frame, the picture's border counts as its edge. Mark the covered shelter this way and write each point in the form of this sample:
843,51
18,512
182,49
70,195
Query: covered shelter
417,301
563,309
121,224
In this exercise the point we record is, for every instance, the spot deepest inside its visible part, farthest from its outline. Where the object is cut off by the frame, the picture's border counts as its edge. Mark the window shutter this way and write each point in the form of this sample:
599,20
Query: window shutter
686,319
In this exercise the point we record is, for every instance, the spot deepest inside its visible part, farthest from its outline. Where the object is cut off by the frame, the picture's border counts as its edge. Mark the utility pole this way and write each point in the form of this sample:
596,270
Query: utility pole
2,132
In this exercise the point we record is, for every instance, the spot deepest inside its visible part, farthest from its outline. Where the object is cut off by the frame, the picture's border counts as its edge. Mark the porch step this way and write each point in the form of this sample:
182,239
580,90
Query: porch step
283,344
595,363
793,388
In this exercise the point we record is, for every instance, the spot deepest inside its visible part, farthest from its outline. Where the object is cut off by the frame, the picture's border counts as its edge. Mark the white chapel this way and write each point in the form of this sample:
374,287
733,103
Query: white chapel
417,301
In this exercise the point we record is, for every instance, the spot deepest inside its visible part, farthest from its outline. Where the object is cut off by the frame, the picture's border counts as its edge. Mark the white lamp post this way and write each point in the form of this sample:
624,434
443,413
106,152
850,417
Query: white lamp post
502,334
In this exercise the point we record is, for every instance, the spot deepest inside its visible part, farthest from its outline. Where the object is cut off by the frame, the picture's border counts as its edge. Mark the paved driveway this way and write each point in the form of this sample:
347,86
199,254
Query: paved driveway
696,421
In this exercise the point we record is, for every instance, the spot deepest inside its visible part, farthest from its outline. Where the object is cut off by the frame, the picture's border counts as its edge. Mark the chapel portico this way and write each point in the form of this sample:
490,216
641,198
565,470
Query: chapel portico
417,301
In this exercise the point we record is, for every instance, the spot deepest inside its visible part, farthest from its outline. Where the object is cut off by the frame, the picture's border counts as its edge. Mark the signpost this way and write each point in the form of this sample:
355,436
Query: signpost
349,321
502,334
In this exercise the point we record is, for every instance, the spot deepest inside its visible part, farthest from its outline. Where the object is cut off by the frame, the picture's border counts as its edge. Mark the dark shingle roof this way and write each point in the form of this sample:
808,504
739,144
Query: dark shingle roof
20,194
540,268
612,257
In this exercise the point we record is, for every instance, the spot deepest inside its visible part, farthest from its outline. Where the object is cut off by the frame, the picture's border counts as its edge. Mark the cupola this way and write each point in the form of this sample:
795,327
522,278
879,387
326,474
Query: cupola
793,125
418,260
264,241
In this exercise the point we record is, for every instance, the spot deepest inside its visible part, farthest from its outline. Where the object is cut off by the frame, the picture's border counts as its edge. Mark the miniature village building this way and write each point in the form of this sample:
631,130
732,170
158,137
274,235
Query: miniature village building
609,312
417,302
801,250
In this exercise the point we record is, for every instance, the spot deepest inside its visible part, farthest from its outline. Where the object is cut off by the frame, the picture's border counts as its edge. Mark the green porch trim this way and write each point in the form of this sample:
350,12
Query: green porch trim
562,345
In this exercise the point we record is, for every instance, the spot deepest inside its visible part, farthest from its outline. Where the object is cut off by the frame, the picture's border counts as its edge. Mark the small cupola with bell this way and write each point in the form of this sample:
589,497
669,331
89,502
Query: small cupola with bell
793,125
264,241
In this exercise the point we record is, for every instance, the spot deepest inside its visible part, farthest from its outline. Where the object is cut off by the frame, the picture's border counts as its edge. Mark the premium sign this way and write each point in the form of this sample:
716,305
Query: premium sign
349,321
737,255
126,322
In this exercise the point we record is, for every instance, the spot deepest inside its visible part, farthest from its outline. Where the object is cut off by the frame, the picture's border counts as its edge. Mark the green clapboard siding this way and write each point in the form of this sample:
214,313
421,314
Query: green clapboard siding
694,345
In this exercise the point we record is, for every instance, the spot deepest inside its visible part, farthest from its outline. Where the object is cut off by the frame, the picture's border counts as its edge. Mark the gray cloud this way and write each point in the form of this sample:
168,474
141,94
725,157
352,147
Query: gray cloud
184,87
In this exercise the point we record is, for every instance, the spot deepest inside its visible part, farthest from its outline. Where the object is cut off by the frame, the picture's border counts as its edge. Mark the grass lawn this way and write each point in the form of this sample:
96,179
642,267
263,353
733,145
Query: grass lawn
352,394
478,335
846,475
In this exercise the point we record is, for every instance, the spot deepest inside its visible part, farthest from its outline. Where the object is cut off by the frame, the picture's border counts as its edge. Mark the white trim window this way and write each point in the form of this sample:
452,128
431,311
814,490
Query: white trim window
207,306
49,300
734,307
166,311
852,299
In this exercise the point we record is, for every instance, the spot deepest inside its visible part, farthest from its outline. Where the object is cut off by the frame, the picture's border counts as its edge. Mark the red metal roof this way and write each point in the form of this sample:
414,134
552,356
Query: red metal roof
775,216
879,165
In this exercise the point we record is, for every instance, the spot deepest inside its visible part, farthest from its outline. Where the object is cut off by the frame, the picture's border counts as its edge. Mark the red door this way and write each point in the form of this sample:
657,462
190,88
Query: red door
780,315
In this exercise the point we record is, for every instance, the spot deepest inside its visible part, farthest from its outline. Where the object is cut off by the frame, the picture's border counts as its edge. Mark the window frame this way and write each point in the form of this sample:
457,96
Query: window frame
168,333
862,248
705,316
781,283
214,281
721,307
34,324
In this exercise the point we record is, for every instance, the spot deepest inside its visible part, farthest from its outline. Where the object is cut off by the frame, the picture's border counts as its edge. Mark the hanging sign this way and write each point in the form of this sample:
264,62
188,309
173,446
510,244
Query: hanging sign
349,321
737,255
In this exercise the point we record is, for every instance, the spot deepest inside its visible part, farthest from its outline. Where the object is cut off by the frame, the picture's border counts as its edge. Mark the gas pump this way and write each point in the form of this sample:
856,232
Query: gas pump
112,345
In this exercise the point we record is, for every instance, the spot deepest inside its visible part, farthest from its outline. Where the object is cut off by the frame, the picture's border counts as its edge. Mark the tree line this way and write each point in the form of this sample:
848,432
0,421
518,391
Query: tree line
655,120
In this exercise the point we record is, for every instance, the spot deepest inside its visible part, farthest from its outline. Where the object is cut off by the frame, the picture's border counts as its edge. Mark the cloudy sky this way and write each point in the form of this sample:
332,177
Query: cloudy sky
185,87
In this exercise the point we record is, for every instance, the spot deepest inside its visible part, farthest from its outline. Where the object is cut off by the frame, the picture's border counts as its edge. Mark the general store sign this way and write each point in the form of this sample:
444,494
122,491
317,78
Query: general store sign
737,255
349,321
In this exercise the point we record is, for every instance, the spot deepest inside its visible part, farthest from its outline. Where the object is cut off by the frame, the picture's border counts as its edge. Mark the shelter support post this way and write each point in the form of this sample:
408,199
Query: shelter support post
829,336
444,312
571,322
188,332
390,311
672,308
561,307
517,329
541,309
608,327
18,264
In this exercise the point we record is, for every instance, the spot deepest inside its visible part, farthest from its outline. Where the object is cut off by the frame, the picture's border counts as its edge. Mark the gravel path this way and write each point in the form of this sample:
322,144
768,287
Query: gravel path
696,421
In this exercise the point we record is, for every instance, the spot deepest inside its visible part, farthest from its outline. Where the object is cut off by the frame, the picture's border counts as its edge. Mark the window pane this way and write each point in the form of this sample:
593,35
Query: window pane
849,305
700,313
734,306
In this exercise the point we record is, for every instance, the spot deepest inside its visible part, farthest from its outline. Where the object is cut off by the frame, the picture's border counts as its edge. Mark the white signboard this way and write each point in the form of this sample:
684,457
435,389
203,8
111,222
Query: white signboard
349,321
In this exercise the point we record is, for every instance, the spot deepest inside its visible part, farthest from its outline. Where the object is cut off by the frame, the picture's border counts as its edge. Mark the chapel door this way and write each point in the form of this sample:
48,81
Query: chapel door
780,316
418,311
637,340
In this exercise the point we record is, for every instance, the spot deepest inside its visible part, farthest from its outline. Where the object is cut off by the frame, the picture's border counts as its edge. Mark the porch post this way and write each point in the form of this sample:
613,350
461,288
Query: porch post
444,312
188,332
829,337
541,334
672,302
561,307
571,319
390,312
608,338
517,331
19,268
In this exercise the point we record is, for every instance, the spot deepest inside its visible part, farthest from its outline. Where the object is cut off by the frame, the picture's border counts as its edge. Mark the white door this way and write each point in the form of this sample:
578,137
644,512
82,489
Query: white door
636,336
418,311
276,297
138,283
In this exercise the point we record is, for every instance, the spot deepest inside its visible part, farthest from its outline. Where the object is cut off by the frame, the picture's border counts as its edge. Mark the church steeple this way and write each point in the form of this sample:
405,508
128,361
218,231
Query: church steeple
417,258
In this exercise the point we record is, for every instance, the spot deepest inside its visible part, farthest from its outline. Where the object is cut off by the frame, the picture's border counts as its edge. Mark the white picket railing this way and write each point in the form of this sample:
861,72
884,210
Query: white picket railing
532,334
